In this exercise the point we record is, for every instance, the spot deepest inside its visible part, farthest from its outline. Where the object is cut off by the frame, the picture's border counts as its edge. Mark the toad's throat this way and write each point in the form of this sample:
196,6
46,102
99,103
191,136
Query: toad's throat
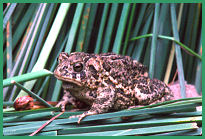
69,80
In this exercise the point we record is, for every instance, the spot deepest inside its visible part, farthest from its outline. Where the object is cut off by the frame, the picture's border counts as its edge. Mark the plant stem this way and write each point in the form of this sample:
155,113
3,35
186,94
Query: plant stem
154,41
178,52
31,94
186,48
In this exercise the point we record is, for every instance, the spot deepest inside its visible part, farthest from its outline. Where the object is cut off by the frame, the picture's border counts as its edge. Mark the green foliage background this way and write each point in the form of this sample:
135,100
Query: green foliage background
35,34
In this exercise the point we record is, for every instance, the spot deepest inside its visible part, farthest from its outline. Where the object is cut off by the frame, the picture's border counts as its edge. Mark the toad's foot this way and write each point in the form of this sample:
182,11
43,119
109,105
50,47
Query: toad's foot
81,116
62,105
102,103
67,98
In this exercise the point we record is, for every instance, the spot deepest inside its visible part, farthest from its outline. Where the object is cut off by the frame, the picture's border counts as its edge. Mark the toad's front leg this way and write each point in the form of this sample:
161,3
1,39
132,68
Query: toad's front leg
102,104
67,98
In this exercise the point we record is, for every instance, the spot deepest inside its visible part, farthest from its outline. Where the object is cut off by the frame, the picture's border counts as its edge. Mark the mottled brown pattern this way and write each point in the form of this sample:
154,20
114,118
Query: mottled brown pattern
107,82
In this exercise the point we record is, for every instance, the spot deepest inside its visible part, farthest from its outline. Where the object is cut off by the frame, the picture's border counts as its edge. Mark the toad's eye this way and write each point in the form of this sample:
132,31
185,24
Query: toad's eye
78,67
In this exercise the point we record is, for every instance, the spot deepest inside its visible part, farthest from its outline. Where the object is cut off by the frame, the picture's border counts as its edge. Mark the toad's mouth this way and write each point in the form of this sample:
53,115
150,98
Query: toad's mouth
69,80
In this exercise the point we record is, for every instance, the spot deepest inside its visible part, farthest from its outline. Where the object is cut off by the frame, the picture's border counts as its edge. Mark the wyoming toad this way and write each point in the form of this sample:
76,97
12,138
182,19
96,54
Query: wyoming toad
107,82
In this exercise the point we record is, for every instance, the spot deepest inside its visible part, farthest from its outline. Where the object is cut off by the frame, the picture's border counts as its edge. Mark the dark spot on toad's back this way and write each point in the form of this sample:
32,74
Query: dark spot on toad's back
106,66
93,71
108,81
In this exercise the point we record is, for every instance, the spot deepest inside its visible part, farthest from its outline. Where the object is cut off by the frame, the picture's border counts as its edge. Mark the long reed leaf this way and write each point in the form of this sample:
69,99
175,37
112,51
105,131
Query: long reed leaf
137,26
28,112
121,28
23,24
101,29
137,52
188,132
27,77
178,52
31,43
8,14
40,37
142,131
36,116
83,28
74,27
160,49
171,56
154,41
109,27
132,125
43,57
32,94
91,20
24,44
9,47
129,29
57,88
171,39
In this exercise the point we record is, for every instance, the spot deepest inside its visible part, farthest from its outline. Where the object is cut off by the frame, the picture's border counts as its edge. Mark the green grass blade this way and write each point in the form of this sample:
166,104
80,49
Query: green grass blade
40,39
21,8
51,133
36,116
193,43
101,29
6,9
51,84
27,112
188,38
74,27
171,39
91,20
27,77
18,33
83,28
32,94
63,123
121,29
154,41
137,26
161,51
198,79
45,52
9,103
9,47
110,27
137,52
189,132
142,131
8,14
178,52
23,24
32,41
70,42
131,125
43,57
24,45
168,109
57,88
129,29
